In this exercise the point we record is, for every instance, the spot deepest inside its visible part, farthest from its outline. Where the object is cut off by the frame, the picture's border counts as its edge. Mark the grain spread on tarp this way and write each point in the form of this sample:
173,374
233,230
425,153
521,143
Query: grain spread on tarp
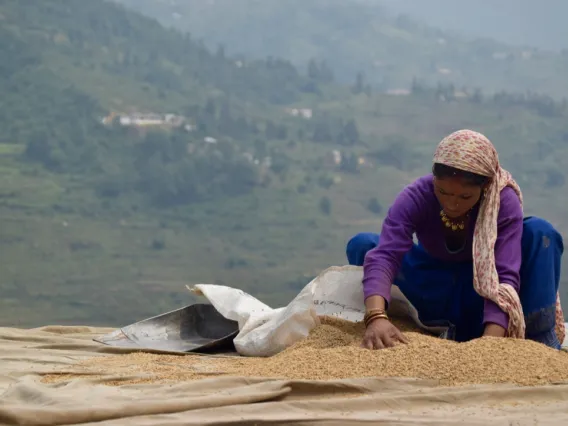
332,351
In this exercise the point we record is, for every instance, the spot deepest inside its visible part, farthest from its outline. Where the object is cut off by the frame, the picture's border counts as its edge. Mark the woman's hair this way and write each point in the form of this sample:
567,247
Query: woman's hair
442,171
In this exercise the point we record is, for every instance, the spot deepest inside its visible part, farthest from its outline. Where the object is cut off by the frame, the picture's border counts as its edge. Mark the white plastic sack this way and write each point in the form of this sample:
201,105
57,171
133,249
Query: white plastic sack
263,331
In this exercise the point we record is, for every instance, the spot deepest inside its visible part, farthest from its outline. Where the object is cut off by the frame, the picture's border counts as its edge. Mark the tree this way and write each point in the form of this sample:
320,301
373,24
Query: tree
226,124
220,52
322,130
311,87
477,96
259,148
326,73
210,108
313,70
374,206
359,85
320,72
280,166
271,131
325,205
350,133
417,88
349,163
396,152
38,148
325,181
281,132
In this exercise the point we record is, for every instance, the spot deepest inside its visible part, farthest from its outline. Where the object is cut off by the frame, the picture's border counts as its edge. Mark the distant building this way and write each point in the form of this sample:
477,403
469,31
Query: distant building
174,120
139,120
145,120
333,158
526,54
398,92
500,55
300,112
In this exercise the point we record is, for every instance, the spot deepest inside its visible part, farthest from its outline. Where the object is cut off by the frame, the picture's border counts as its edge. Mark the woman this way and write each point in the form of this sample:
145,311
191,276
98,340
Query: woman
479,264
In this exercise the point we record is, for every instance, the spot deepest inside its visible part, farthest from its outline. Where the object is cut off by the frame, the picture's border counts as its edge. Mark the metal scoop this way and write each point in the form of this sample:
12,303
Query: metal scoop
194,328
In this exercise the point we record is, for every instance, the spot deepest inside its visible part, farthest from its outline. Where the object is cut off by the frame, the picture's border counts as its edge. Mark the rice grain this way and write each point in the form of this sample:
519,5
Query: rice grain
332,351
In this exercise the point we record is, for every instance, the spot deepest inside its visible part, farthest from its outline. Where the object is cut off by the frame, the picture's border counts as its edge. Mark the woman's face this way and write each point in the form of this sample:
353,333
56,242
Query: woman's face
456,195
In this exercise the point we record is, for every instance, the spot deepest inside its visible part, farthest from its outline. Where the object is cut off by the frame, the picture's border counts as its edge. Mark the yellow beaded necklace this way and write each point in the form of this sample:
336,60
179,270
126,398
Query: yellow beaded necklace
454,226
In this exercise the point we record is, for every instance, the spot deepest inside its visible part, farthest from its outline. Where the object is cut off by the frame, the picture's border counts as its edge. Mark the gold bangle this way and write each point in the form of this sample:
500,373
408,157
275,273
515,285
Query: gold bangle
372,320
372,312
370,317
368,320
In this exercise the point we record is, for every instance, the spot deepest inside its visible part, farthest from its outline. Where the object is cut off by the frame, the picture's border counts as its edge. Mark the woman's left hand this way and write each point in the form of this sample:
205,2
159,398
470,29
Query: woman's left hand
494,330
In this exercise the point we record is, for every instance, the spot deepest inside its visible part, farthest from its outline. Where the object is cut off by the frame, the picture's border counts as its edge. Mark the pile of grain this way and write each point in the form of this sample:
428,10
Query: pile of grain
332,351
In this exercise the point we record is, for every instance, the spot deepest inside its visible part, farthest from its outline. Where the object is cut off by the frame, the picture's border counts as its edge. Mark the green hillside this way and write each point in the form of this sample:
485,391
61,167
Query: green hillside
361,36
107,223
103,218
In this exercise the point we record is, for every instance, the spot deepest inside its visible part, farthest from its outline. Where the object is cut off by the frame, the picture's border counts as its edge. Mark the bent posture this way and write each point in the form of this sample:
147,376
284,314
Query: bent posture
479,264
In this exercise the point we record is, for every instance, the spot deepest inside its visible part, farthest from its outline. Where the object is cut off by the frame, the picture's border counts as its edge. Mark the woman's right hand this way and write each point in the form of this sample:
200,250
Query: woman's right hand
381,334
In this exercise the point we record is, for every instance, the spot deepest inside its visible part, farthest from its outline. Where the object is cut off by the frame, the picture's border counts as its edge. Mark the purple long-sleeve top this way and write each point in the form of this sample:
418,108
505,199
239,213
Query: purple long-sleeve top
416,210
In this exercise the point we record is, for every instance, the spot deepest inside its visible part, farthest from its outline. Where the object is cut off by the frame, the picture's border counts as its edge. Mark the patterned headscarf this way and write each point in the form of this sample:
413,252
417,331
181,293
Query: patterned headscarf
473,152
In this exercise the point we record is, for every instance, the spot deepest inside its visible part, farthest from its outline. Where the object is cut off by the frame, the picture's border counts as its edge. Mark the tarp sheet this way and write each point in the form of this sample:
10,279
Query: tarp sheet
25,400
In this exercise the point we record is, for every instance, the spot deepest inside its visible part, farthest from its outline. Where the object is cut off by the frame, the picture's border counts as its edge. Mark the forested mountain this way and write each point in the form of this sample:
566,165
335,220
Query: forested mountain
76,78
355,36
517,22
135,160
83,62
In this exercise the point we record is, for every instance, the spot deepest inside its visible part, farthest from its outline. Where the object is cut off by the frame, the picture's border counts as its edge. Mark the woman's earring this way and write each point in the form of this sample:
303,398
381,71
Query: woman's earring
485,193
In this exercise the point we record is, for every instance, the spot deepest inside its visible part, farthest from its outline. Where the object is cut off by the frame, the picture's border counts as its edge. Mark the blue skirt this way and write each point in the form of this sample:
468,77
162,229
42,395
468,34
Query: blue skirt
443,291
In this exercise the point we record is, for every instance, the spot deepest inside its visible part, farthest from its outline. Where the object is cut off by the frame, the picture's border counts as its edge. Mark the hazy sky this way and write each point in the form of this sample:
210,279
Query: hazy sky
539,23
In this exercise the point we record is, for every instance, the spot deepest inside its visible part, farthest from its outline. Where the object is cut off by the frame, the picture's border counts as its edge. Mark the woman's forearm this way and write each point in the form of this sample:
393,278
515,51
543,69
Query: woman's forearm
375,302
